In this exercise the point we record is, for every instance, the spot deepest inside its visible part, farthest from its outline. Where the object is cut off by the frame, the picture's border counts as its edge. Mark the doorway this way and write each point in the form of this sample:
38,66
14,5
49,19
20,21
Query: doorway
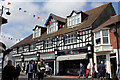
113,66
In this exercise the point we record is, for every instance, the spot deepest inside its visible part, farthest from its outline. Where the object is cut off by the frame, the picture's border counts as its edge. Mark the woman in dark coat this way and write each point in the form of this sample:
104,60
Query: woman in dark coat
9,71
17,71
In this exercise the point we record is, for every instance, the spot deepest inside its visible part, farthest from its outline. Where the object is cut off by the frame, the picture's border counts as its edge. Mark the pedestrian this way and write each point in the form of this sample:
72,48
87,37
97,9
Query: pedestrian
47,69
93,71
81,71
41,70
8,71
102,70
17,71
118,72
35,69
29,70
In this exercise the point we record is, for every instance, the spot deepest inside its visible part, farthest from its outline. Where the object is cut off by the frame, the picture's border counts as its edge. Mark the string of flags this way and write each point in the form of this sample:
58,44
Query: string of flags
25,11
10,38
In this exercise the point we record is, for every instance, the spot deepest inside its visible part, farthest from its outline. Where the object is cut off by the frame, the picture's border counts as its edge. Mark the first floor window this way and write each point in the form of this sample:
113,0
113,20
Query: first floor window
105,36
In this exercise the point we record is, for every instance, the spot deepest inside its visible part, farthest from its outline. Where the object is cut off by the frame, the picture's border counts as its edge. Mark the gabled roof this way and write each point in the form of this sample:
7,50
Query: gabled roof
110,21
89,21
73,12
38,27
57,18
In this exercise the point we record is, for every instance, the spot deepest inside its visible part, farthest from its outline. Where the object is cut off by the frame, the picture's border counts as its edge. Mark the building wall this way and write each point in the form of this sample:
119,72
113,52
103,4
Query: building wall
113,38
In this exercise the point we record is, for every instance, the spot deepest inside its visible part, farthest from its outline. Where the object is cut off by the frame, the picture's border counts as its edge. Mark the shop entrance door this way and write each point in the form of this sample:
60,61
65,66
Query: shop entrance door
113,66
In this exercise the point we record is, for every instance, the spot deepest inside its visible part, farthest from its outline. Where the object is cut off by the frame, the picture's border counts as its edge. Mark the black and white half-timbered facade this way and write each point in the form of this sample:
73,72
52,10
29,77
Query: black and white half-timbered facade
64,43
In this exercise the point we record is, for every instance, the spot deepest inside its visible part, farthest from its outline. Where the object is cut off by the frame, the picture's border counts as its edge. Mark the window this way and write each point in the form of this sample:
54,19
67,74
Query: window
37,33
52,27
32,47
70,39
48,43
102,37
105,36
73,20
97,38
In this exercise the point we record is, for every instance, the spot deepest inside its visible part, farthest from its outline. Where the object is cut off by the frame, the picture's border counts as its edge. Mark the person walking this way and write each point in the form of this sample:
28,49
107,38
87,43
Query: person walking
8,71
29,70
102,70
93,71
118,72
41,69
47,69
35,69
81,71
17,71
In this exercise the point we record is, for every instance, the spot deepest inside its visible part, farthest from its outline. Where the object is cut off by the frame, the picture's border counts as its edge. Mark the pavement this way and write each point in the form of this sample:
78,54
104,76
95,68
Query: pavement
24,77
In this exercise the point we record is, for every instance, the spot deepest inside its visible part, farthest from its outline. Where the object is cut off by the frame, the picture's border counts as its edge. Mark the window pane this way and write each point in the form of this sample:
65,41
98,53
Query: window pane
105,40
97,34
105,33
98,41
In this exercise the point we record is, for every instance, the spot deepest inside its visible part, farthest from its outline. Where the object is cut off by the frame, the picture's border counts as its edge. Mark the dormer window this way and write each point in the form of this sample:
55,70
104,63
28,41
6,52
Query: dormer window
75,18
52,27
37,33
54,23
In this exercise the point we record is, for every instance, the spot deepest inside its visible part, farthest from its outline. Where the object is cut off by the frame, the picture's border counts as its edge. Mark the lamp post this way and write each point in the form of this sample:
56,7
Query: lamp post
8,13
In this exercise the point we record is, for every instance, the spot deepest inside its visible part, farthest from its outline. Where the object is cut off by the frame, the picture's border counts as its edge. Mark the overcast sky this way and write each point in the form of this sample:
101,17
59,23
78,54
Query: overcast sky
20,23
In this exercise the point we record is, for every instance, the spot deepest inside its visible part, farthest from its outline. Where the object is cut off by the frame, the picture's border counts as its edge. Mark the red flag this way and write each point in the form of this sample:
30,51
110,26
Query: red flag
25,11
9,3
38,18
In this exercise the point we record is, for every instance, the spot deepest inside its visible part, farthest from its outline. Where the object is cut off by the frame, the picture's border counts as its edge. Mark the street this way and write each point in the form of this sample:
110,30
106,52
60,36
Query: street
24,77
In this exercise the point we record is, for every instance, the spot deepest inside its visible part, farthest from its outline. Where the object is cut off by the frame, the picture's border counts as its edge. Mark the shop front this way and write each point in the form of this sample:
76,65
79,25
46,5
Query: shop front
69,64
109,59
49,58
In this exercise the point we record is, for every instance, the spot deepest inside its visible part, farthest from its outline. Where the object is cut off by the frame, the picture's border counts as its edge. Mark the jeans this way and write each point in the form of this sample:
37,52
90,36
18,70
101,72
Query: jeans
81,74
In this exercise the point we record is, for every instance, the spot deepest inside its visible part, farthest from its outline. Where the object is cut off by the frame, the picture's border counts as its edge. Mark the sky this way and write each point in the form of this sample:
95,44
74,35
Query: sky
20,24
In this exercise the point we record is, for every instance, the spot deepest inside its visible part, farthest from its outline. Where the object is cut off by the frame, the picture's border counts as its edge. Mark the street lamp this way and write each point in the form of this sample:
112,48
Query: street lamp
38,56
8,13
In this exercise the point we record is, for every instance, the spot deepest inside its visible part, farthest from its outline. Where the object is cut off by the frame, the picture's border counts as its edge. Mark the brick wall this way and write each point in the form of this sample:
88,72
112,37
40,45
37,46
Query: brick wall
113,38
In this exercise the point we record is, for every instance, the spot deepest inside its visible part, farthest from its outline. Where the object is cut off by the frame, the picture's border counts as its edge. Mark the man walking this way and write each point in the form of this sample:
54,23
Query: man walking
81,71
30,70
102,70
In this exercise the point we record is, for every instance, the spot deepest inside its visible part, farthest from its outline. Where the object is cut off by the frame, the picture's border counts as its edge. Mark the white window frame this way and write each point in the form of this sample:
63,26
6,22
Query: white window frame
48,43
52,28
72,37
73,20
101,37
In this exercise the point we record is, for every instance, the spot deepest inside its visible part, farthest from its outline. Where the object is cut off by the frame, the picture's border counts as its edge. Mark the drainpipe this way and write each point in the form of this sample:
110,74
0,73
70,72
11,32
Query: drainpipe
116,34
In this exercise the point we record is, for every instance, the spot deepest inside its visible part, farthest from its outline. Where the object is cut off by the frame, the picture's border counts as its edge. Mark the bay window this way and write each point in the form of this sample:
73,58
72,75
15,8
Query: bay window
105,36
98,38
102,37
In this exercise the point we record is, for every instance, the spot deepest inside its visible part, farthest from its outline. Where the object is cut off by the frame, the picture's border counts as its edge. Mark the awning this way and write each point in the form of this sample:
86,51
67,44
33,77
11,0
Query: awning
72,57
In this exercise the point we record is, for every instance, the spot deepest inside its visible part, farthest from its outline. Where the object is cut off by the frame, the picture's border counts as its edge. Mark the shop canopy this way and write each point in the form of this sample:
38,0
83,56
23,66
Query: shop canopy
72,57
